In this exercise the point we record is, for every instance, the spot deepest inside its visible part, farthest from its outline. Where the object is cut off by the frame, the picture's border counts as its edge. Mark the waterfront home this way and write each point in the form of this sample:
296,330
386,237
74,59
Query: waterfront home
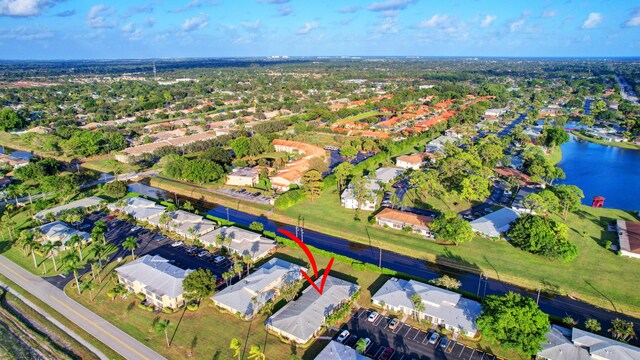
155,278
576,344
302,319
86,203
139,208
629,238
242,242
250,294
441,307
397,219
495,223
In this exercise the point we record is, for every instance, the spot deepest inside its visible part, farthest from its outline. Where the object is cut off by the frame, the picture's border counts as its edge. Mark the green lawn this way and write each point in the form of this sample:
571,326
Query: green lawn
447,202
100,164
359,117
624,145
556,155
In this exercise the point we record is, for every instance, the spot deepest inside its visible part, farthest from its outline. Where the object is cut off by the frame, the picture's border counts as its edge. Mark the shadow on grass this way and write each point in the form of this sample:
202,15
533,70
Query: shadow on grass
5,246
448,261
613,305
312,351
377,284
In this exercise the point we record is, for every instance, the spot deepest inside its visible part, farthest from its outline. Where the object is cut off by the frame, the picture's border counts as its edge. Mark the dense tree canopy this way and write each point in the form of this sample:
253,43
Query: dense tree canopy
543,236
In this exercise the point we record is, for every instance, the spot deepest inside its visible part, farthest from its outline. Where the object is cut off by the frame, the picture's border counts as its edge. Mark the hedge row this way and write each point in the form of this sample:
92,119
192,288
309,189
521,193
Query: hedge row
289,199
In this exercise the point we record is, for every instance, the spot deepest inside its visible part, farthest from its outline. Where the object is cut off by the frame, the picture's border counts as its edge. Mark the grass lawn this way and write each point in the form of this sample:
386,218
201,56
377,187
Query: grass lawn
100,164
624,145
448,202
555,156
359,117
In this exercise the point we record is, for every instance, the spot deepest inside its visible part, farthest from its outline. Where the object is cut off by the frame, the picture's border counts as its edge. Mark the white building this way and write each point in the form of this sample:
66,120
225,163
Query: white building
243,242
349,201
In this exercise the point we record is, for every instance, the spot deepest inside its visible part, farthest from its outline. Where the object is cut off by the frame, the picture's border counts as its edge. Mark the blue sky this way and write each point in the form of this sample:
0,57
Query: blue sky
83,29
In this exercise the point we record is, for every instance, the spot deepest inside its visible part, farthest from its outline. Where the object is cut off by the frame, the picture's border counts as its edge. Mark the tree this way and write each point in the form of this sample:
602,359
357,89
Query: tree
426,183
49,251
256,353
161,326
199,284
88,286
592,325
237,268
188,206
235,345
98,250
116,189
201,171
131,244
513,321
418,305
312,182
348,151
361,192
342,172
98,231
569,197
451,228
622,329
542,236
554,136
256,226
10,120
115,166
30,244
447,282
290,289
240,146
542,202
474,187
361,345
71,263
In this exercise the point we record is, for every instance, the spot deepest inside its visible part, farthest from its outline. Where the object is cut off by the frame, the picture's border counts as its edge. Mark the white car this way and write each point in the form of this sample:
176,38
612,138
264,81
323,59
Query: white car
218,259
373,316
507,193
177,243
203,253
344,335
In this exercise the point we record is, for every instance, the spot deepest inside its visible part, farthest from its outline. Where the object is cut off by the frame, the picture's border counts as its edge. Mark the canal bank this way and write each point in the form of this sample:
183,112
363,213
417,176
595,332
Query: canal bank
472,279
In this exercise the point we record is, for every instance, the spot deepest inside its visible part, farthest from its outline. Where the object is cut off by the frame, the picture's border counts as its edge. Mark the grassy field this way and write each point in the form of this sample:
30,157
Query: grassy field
447,202
623,145
100,164
360,117
555,156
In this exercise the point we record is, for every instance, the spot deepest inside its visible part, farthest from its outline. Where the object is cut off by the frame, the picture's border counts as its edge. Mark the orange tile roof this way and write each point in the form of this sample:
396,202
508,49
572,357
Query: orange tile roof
404,217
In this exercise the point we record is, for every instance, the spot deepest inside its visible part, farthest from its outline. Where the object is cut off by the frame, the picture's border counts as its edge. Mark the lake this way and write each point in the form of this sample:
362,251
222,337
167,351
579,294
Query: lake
603,170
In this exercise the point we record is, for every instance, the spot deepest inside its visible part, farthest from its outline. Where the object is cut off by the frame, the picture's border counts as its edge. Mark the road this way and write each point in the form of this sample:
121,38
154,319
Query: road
101,329
626,90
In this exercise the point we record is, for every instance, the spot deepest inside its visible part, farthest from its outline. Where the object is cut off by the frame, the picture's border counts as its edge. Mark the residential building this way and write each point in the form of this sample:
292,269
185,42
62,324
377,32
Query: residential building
86,203
243,176
139,208
518,202
13,161
441,307
303,319
243,242
437,145
60,231
415,161
132,154
4,182
349,201
338,351
397,219
156,278
533,132
249,295
185,224
386,175
494,114
495,223
292,172
523,179
629,238
576,344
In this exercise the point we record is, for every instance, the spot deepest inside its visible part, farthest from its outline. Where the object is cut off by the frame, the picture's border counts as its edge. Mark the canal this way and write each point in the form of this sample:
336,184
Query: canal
601,170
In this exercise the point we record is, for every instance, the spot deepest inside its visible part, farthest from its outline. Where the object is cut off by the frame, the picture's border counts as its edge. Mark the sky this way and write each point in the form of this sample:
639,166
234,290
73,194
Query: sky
133,29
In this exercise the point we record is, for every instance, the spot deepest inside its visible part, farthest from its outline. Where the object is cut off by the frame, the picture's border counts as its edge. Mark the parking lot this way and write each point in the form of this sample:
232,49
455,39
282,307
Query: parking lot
149,242
406,341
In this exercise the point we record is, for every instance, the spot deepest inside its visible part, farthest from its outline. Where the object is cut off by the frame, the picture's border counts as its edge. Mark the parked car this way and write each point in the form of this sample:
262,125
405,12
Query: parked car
444,342
393,324
367,343
135,228
177,243
373,316
202,253
434,338
343,336
218,259
488,211
507,193
386,354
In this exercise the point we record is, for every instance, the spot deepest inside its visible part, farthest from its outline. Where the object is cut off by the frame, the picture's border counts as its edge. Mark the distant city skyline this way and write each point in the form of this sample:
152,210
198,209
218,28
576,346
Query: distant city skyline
74,29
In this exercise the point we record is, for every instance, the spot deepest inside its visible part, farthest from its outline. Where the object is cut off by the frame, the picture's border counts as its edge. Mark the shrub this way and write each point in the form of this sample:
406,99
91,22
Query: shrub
256,226
116,189
167,310
111,294
140,296
192,306
289,199
607,244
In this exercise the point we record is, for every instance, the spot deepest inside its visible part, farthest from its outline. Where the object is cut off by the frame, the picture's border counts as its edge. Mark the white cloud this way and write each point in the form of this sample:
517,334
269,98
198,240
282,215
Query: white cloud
131,32
390,5
307,27
348,9
98,16
634,20
592,20
516,25
23,8
26,33
194,4
150,22
195,23
549,13
436,20
284,10
251,25
487,20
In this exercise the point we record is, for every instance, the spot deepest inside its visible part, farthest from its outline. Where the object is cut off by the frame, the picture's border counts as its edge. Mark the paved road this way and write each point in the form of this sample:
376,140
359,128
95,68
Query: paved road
101,329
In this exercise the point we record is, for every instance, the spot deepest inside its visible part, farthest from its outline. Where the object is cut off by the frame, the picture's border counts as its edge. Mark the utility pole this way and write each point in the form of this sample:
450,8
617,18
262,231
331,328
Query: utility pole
538,297
227,214
380,256
302,230
479,283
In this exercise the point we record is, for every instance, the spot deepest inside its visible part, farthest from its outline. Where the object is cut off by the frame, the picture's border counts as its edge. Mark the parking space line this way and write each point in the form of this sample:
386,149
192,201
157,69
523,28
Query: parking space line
483,356
378,319
461,351
425,339
378,352
418,333
408,331
472,352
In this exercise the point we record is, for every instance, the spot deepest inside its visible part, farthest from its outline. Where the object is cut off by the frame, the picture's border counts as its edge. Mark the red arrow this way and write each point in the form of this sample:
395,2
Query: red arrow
312,260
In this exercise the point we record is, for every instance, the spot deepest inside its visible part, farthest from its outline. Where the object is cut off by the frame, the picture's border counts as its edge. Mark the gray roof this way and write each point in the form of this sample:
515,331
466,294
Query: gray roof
243,241
181,221
300,319
337,351
455,310
156,274
139,208
78,204
60,231
245,172
262,285
387,174
495,223
584,346
372,184
438,143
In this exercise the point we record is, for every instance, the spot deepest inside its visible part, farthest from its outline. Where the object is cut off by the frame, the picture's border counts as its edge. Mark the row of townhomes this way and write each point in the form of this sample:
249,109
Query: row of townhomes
60,231
576,344
442,307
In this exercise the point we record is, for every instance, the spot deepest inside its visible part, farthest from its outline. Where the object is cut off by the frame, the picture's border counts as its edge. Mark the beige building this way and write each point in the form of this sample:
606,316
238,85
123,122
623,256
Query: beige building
292,172
629,237
397,219
157,279
243,176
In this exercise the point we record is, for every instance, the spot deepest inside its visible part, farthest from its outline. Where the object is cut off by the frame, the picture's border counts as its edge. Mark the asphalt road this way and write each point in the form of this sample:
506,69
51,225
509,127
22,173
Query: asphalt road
101,329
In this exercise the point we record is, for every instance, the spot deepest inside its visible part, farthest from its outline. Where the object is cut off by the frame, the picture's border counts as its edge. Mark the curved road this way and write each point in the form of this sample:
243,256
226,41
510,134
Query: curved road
101,329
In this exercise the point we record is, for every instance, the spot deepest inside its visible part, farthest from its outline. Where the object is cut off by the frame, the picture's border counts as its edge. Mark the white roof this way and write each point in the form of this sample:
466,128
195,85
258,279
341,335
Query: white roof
78,204
181,221
495,223
300,319
243,241
156,274
387,174
584,346
60,231
139,208
260,285
337,351
347,194
455,310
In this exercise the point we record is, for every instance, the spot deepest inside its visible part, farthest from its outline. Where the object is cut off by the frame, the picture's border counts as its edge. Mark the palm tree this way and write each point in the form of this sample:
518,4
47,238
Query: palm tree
235,345
361,346
71,262
130,243
88,285
48,250
98,231
75,242
32,244
23,240
164,219
163,326
237,267
227,275
248,261
267,308
256,353
98,250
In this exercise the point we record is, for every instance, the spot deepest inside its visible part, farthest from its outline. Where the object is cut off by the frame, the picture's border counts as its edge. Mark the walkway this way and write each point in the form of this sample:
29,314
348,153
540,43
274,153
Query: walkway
101,329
